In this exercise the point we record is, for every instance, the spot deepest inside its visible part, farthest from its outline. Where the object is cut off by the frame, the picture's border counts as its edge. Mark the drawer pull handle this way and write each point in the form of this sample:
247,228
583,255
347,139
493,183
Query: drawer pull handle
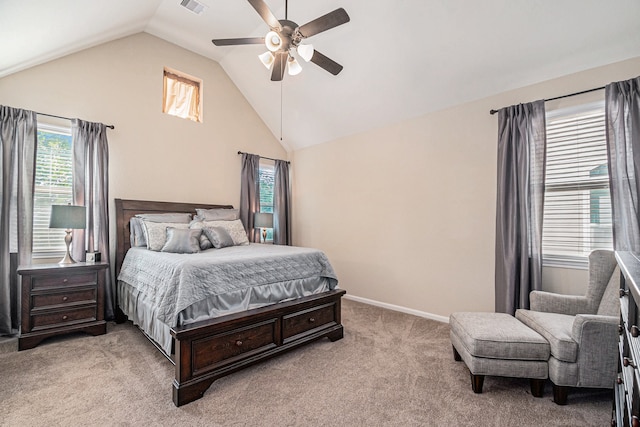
628,362
312,320
65,298
238,343
65,317
65,280
635,331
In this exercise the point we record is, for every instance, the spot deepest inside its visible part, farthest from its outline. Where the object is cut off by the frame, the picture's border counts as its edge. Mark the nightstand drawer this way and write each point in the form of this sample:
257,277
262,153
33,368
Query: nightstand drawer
61,280
63,298
308,320
62,317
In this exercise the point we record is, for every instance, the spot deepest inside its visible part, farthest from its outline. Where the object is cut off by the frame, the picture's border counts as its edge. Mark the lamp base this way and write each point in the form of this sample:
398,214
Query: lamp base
264,235
67,257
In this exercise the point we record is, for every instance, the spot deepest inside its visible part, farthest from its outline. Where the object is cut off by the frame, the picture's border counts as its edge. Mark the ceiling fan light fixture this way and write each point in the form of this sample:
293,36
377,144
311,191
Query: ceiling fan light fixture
273,41
305,51
267,59
293,66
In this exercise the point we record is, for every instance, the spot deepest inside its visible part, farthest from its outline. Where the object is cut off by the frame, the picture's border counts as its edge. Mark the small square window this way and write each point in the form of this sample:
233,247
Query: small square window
182,95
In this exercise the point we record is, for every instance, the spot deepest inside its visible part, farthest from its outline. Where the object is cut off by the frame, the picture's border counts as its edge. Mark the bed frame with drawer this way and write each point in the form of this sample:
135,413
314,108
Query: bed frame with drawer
210,349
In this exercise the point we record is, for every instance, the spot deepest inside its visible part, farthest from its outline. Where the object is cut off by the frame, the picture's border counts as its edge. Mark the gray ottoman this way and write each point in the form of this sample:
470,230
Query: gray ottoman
499,344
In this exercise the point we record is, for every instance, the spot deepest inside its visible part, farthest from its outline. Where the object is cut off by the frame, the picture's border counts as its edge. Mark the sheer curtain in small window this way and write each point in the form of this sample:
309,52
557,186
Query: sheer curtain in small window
181,97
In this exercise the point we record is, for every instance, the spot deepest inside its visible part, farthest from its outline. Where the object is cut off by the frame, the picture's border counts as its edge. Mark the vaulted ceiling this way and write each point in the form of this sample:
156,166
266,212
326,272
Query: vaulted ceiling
401,58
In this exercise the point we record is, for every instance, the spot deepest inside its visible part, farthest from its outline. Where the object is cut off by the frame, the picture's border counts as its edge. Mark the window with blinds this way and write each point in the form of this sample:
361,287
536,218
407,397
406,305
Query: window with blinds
53,186
577,203
266,176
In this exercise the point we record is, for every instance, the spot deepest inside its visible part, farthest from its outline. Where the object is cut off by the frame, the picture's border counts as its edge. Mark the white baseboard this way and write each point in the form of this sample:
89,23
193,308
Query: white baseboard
399,308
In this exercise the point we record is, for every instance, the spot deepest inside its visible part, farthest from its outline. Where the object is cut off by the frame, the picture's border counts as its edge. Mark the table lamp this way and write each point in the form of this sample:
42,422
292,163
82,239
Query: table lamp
68,217
263,220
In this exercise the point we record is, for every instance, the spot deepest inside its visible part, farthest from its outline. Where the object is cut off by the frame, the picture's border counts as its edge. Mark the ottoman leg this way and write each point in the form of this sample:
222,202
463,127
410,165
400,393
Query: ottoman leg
560,394
476,383
456,355
537,387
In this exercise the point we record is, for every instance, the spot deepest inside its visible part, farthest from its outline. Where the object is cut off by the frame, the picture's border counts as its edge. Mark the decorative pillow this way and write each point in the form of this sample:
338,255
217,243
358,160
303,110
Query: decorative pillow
182,241
182,218
218,214
136,228
234,228
156,233
218,236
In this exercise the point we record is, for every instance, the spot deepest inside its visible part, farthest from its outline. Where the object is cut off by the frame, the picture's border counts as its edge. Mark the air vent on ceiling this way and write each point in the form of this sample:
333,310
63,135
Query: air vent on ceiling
194,6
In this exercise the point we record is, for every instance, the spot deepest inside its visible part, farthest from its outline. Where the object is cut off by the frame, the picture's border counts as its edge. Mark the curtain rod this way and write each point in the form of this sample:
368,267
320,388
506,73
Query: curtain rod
67,118
563,96
262,157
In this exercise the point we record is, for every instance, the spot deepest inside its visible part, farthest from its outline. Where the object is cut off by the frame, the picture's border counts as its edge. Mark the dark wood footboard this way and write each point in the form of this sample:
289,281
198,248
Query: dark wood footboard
206,351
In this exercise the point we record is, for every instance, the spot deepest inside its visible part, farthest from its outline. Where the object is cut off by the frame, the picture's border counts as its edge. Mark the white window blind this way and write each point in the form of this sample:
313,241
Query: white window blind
577,204
266,177
53,186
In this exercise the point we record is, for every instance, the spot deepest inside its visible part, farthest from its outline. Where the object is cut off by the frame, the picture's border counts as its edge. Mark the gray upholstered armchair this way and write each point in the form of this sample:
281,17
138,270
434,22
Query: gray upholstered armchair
581,330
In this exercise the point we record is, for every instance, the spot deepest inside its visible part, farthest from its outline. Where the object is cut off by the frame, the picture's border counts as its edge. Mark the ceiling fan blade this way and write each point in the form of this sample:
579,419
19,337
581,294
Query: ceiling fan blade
324,23
279,64
265,13
232,42
327,63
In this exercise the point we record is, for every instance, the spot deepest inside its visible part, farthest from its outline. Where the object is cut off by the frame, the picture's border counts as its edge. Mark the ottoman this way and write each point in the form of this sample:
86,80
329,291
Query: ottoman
498,344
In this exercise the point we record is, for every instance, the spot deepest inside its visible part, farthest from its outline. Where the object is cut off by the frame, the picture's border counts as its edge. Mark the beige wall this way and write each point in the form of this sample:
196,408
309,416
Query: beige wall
153,156
406,213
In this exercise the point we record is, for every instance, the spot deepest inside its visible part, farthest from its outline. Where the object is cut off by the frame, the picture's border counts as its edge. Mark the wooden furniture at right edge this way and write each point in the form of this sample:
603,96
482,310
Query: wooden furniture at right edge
626,408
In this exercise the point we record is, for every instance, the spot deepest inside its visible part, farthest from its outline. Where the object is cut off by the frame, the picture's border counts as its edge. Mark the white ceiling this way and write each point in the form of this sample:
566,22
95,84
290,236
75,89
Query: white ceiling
401,58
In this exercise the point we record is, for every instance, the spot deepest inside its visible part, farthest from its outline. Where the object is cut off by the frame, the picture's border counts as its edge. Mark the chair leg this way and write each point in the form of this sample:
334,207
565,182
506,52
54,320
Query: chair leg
456,355
560,394
476,383
537,387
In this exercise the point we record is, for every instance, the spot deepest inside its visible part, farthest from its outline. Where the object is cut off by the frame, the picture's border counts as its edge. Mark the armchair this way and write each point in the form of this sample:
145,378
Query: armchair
581,330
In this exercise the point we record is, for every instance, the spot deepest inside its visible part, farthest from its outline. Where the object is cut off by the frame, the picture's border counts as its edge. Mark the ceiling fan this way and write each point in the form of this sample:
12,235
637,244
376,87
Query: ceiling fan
286,36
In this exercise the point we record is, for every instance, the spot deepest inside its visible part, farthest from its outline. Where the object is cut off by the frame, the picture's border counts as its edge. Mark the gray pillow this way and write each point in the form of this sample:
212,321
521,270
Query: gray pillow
218,236
182,218
136,227
182,241
218,214
156,233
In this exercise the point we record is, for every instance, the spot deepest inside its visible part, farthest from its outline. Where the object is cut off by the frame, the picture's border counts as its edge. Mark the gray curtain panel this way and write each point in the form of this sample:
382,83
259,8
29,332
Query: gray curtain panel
91,189
521,170
282,204
622,109
18,141
250,194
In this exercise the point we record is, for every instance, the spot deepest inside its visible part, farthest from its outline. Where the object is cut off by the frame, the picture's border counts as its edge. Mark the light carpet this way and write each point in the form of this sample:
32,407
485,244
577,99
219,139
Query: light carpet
390,369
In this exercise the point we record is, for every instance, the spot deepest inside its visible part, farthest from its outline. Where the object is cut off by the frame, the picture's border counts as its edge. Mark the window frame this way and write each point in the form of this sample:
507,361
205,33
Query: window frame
185,79
572,261
37,253
267,165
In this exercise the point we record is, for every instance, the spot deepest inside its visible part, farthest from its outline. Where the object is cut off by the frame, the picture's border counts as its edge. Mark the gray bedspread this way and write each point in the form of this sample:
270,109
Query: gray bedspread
256,274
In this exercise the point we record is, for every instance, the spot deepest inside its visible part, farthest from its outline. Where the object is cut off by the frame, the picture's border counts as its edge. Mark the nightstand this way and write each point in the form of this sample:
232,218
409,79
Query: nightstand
61,299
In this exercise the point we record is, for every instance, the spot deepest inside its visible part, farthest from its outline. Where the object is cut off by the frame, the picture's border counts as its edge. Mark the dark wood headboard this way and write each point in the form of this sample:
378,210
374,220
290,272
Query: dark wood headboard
125,209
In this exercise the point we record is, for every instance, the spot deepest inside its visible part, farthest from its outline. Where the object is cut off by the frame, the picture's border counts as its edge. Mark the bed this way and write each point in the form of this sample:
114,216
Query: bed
204,349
